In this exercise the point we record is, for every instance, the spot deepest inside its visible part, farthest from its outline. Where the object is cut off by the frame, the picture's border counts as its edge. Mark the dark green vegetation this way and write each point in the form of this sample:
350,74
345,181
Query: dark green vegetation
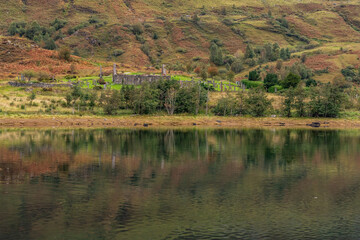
161,96
148,184
322,101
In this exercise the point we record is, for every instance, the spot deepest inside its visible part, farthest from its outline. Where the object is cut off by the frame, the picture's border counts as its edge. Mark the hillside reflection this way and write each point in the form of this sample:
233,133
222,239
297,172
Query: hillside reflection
136,184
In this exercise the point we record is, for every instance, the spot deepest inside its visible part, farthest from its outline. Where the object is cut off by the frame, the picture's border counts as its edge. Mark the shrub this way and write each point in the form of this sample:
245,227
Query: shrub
17,28
118,52
254,75
311,82
237,66
270,80
32,96
64,54
73,69
272,88
252,84
292,80
146,49
101,81
230,76
155,36
43,76
137,29
50,44
213,71
93,20
181,50
58,24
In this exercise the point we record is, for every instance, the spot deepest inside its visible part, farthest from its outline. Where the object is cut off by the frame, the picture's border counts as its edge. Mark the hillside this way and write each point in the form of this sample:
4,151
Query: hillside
143,33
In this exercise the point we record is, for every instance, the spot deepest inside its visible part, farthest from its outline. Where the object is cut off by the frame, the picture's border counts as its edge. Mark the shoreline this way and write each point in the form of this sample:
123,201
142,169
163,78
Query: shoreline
64,121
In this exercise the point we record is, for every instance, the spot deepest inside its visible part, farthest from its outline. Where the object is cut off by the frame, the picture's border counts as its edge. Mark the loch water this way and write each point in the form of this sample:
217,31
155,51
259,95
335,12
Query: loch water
180,184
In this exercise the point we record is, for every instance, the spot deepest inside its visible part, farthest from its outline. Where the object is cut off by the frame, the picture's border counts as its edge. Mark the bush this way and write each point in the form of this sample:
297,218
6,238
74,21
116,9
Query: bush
213,71
64,54
137,29
58,24
237,66
292,80
101,81
311,82
252,84
118,52
43,76
50,44
270,80
181,50
277,87
254,75
146,49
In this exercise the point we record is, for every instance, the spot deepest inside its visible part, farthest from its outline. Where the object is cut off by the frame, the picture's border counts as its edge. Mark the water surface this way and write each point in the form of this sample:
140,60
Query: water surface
180,184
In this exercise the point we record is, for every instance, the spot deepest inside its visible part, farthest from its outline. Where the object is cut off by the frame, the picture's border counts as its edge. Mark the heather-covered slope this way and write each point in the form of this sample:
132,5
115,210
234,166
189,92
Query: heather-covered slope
178,31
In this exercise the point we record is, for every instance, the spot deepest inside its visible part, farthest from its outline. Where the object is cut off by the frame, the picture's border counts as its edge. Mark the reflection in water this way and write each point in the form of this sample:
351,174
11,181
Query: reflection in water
179,184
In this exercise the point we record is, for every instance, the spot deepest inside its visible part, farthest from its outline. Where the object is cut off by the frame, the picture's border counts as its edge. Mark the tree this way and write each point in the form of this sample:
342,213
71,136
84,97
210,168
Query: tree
275,55
285,54
32,30
288,102
146,100
112,102
225,106
257,102
203,75
303,58
299,104
216,55
28,74
129,94
249,52
190,99
254,75
268,51
230,76
279,64
292,80
325,101
170,101
270,80
237,66
50,44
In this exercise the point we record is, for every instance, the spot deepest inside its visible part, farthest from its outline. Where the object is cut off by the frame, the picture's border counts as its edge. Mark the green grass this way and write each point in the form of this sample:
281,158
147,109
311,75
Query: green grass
112,86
